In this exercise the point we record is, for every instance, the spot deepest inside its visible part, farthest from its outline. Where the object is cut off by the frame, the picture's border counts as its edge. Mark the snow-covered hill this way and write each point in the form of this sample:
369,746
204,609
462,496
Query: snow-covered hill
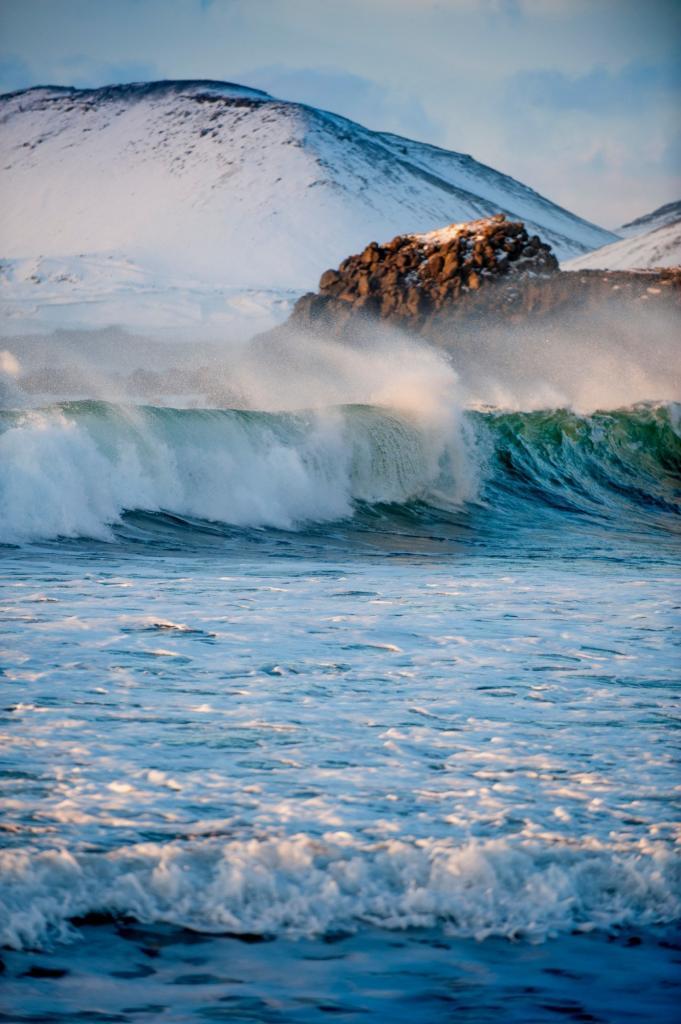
190,204
659,246
670,213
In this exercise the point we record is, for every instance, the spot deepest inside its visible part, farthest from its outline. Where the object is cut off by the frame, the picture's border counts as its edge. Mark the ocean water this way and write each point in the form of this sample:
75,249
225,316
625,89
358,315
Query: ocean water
352,711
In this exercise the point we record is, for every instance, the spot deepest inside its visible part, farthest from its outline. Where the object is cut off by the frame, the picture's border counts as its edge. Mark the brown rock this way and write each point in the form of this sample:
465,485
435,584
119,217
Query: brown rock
414,279
370,254
369,304
388,303
363,284
450,265
414,299
328,279
435,264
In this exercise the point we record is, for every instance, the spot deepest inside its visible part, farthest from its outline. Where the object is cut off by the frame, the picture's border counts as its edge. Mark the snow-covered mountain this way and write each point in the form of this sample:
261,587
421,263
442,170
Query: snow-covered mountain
653,240
189,204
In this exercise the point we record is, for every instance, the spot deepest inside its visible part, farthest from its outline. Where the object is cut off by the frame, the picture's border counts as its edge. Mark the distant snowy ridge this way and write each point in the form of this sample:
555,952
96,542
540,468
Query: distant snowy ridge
670,213
660,247
653,240
167,201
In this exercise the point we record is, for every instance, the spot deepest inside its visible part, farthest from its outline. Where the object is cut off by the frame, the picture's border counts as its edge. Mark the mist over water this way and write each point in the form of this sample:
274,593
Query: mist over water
366,654
580,361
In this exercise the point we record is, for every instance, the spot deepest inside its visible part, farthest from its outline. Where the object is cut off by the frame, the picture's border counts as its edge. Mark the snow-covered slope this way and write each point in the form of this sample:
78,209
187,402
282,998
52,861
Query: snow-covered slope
101,289
670,213
660,247
190,203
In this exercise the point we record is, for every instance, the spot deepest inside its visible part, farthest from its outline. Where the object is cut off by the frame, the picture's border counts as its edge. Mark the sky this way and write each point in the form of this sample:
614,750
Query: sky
578,98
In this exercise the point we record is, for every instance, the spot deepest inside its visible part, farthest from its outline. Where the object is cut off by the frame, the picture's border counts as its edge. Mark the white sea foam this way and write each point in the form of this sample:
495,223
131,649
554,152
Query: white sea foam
306,886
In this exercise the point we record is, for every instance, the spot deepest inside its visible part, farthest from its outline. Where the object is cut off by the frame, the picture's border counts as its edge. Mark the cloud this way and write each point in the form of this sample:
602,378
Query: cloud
76,69
14,73
605,141
601,90
670,159
354,96
82,72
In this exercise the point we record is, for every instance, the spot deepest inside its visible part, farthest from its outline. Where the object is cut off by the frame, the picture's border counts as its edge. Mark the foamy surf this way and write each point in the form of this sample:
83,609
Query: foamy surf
305,886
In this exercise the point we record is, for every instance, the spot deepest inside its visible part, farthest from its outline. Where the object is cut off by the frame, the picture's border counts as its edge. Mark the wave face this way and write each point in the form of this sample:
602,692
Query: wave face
75,469
72,470
607,465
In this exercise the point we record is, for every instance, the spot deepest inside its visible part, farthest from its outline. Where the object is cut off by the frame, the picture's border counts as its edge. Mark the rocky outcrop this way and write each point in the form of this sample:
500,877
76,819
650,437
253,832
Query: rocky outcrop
485,274
415,280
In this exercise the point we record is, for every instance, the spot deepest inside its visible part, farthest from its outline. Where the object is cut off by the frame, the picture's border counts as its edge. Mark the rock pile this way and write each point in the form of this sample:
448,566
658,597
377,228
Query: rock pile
486,277
417,278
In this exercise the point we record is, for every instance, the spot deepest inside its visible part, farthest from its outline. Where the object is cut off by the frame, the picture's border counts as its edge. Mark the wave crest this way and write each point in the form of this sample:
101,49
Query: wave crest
306,886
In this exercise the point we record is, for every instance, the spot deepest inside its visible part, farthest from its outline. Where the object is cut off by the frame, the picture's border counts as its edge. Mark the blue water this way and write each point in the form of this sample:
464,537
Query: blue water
339,713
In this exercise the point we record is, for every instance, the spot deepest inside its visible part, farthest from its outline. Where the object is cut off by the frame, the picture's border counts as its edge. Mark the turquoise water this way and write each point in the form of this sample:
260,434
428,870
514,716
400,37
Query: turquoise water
339,712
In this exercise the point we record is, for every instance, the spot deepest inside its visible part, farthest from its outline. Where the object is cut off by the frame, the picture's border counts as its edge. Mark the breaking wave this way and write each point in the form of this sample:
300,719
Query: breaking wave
75,469
302,886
